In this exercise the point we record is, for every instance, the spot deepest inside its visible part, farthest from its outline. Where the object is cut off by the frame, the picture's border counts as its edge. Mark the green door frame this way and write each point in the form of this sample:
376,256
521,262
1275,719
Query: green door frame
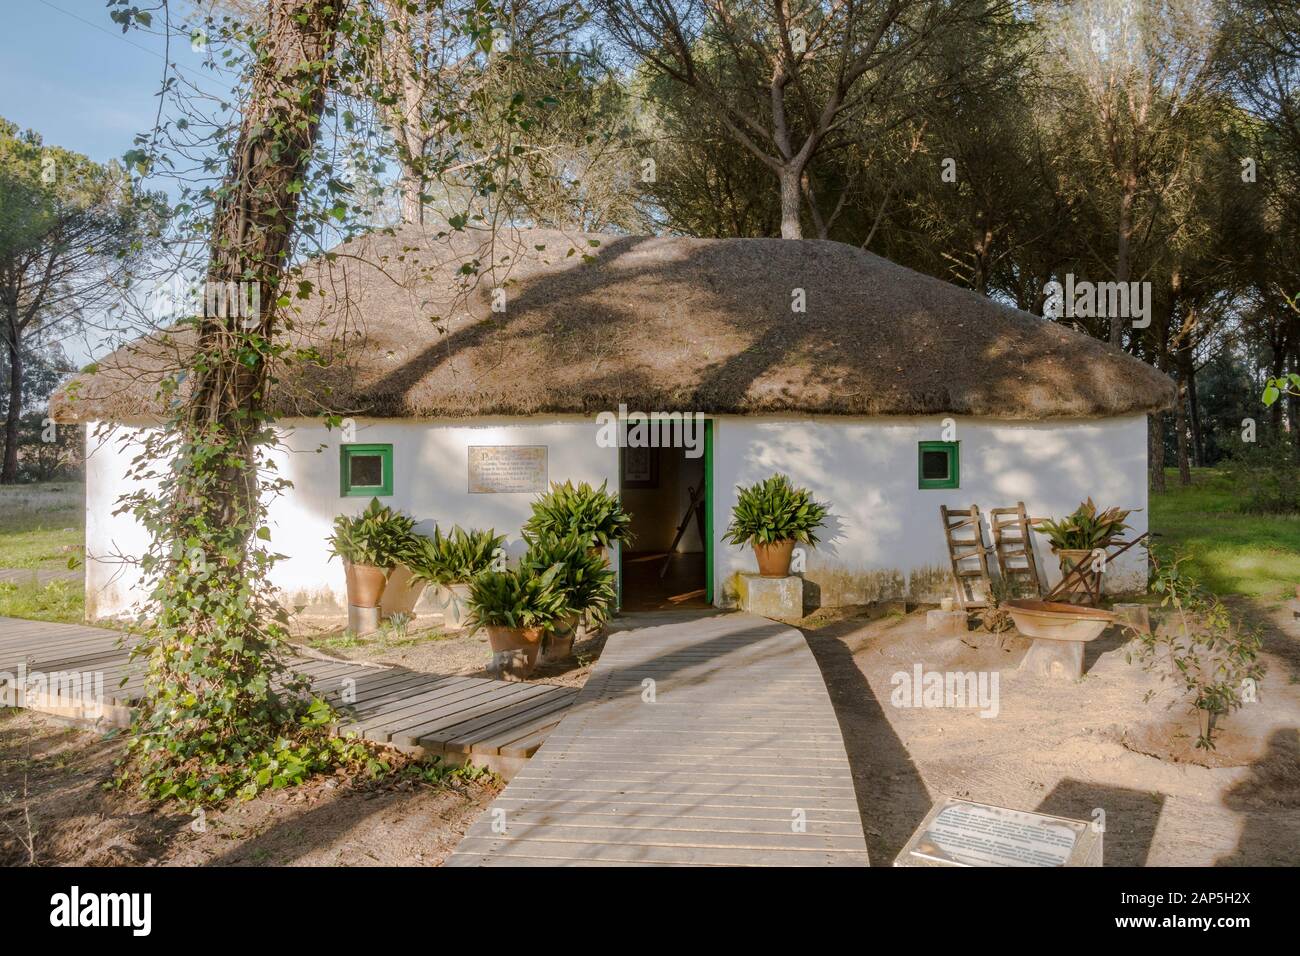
708,510
708,517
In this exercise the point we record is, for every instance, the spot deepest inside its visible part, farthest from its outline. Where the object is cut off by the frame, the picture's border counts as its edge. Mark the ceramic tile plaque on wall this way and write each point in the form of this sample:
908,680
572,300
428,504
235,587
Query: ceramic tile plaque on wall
507,469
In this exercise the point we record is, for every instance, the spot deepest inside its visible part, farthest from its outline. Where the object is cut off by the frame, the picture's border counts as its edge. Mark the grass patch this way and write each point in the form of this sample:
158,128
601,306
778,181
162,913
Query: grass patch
63,601
1231,552
42,525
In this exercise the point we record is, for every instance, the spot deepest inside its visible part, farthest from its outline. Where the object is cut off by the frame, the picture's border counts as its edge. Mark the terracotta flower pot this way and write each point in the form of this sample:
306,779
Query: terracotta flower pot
514,650
774,558
558,645
365,584
1077,592
453,601
400,593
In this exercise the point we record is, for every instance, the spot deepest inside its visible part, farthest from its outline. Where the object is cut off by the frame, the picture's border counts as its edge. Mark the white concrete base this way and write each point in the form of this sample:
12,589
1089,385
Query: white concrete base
362,620
780,599
1056,660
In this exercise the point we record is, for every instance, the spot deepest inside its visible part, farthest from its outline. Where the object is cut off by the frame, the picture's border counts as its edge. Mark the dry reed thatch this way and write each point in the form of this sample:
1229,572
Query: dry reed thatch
660,324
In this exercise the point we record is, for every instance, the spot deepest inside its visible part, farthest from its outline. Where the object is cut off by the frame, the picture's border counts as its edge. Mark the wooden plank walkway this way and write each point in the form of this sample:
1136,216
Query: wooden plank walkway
705,740
494,723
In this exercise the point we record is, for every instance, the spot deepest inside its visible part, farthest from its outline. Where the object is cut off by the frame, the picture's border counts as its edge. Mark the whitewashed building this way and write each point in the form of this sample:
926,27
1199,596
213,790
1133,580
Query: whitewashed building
886,392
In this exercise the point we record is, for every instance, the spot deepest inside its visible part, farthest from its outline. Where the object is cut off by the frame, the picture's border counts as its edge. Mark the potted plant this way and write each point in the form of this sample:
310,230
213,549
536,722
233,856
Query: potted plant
593,514
516,608
449,562
371,545
1076,536
773,516
585,578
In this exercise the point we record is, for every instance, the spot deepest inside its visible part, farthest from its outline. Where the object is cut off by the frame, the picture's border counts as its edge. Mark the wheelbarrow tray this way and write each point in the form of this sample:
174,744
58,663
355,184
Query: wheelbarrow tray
1048,620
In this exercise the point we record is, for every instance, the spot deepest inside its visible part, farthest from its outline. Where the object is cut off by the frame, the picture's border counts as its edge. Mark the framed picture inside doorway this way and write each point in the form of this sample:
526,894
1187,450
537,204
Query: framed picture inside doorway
640,467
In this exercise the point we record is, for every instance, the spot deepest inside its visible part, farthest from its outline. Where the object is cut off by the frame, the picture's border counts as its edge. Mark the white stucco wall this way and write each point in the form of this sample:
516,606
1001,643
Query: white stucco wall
430,473
884,539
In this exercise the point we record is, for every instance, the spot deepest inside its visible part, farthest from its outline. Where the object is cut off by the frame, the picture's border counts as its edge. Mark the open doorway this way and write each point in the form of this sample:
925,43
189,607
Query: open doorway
664,491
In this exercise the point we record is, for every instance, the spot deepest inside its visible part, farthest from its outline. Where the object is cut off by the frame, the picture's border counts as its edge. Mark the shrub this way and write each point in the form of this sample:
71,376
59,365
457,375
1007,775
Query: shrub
586,579
1209,652
1266,475
517,598
774,510
379,536
453,558
1085,529
593,513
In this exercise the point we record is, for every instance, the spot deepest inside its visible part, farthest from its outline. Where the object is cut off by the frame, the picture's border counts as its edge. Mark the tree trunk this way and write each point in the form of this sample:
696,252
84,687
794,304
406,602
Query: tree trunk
1194,410
1180,432
1123,233
9,472
408,119
411,186
1156,450
251,232
791,201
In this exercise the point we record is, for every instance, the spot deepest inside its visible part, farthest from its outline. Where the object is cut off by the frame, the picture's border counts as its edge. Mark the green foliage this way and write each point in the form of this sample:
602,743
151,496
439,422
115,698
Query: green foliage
1085,529
379,536
1201,645
1231,552
1275,388
41,525
774,510
453,558
593,513
57,601
585,577
518,597
1266,475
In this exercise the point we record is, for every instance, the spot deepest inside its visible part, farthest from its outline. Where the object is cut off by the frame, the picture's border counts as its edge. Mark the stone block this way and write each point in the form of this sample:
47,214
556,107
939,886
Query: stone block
780,599
945,622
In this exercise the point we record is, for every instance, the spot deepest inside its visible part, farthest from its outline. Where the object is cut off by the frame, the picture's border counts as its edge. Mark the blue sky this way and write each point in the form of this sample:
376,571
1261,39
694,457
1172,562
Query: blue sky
69,73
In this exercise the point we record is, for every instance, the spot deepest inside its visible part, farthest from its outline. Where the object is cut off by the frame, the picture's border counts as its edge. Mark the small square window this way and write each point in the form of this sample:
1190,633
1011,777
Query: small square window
938,465
365,470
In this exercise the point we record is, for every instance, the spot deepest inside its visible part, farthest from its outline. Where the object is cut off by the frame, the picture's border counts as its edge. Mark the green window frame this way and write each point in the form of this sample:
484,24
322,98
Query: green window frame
347,453
953,451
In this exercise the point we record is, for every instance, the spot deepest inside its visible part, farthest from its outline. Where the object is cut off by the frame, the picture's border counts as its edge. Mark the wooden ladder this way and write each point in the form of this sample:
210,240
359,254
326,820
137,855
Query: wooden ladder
1012,540
961,550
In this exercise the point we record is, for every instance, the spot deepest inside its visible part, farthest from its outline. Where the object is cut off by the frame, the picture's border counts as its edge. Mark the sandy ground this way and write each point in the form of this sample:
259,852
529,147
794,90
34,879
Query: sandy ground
51,787
1069,748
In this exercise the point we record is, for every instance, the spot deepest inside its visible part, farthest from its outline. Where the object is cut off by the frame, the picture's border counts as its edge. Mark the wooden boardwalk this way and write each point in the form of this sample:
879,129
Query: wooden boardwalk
698,740
497,724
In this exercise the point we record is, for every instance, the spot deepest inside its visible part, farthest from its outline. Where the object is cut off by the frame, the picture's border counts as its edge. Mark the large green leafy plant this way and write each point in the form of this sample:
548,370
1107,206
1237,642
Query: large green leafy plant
1086,528
774,510
519,598
586,579
453,558
592,513
380,536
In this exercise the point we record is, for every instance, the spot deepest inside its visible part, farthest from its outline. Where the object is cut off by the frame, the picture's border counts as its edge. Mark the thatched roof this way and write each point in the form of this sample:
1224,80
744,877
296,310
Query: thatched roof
661,324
